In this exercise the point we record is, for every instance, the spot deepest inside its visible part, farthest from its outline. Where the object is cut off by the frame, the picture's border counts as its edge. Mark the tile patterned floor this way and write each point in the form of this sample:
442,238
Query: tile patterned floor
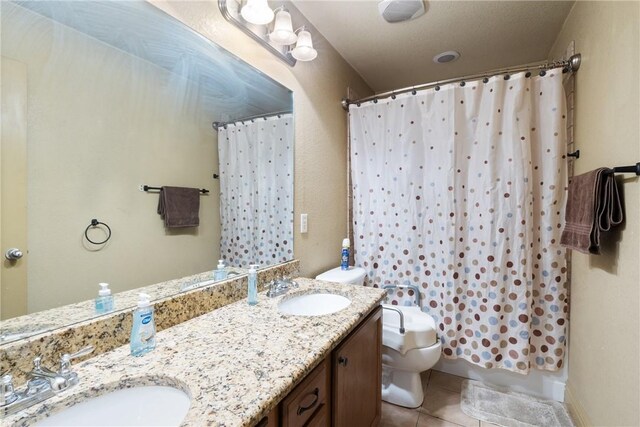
441,406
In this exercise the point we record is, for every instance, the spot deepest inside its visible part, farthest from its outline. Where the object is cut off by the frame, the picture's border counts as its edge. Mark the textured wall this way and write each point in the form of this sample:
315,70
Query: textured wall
320,128
603,351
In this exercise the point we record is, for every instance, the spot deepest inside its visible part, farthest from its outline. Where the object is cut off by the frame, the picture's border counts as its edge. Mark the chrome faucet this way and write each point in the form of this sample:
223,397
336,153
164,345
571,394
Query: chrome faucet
280,286
43,383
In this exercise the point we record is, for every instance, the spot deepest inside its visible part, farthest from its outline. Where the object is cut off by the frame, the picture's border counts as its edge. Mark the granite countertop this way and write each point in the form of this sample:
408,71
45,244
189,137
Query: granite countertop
236,363
42,321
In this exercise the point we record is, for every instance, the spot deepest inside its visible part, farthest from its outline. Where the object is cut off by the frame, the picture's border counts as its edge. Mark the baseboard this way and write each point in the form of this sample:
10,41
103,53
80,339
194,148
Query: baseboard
579,415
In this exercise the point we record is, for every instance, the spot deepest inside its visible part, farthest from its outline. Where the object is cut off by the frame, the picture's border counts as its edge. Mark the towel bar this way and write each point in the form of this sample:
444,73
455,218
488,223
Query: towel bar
147,188
626,169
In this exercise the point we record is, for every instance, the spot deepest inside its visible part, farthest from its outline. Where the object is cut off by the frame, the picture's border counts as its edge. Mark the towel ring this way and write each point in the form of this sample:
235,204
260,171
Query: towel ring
95,223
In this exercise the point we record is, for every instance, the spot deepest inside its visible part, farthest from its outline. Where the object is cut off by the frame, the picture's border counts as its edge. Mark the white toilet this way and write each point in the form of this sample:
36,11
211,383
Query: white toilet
405,354
352,276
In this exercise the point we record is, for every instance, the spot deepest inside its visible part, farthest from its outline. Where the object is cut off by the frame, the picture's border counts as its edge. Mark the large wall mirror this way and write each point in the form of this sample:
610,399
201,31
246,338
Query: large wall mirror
102,98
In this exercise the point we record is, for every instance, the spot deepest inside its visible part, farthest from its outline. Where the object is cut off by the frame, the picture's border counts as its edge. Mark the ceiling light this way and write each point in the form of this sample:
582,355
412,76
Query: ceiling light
283,33
444,57
304,50
257,12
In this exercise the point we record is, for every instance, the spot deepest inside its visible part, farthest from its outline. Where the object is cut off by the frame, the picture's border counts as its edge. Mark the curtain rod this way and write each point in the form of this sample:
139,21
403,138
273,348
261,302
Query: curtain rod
217,125
572,64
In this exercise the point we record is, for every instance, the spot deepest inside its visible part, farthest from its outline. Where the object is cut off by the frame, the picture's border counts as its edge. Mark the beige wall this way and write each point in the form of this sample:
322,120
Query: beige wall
320,128
92,142
604,352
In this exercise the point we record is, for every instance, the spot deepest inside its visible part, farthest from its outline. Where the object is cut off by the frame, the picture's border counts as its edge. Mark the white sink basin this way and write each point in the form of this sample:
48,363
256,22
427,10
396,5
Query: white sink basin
314,304
138,406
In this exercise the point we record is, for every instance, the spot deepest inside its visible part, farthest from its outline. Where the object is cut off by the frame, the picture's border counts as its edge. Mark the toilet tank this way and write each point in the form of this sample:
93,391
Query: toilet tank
352,276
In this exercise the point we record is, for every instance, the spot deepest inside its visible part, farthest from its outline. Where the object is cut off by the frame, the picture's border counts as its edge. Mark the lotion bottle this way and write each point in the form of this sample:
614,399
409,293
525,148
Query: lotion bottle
104,301
143,331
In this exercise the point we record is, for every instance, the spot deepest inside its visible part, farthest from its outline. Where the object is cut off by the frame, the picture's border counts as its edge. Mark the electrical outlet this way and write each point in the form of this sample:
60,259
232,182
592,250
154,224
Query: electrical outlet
303,223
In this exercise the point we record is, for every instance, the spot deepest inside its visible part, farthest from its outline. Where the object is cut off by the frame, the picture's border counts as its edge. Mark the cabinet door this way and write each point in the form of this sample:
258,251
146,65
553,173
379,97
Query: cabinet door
357,375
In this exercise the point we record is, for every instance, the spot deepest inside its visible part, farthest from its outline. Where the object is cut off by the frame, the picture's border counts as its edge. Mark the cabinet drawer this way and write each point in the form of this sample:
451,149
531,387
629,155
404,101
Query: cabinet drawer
271,420
307,399
320,418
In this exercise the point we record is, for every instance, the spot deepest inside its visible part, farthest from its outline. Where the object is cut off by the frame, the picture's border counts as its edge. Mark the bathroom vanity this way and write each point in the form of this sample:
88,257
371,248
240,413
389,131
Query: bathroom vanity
246,365
344,389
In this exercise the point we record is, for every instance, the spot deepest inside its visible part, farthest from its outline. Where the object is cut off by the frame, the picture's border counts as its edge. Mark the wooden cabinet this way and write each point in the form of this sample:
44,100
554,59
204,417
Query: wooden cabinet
271,420
357,375
307,404
345,389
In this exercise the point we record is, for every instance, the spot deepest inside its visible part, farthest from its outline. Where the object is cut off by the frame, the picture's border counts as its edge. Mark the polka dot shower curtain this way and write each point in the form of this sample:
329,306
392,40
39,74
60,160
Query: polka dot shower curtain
256,191
461,192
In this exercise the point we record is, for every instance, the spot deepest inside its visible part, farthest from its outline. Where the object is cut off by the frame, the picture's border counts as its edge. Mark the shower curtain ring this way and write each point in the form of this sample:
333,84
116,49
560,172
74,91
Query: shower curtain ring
485,80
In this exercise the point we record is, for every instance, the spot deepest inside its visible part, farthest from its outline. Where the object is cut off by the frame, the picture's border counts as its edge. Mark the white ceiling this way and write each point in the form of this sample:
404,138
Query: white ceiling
488,35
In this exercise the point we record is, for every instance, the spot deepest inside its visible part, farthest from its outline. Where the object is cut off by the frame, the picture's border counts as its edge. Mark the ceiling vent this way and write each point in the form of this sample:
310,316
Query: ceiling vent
400,10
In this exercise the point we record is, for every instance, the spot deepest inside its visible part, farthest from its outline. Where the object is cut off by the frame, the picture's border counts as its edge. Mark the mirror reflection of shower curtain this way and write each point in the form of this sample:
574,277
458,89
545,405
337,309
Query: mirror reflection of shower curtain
461,192
256,191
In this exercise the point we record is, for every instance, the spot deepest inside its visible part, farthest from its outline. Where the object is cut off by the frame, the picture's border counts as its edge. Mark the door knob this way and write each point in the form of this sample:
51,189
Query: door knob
343,361
13,254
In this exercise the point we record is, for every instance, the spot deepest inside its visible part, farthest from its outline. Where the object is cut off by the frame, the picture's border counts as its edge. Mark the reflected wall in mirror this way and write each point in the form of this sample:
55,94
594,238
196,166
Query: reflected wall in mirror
100,98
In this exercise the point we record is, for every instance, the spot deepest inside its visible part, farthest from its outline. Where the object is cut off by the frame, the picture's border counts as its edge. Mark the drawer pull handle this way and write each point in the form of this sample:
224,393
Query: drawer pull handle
343,361
303,409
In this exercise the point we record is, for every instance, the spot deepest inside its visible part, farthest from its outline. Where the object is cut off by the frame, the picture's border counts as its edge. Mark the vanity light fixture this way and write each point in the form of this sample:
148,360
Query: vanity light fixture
283,33
304,50
257,12
255,17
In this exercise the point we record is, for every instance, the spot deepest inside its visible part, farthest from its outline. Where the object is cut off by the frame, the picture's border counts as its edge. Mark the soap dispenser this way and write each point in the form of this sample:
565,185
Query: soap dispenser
104,301
143,331
220,273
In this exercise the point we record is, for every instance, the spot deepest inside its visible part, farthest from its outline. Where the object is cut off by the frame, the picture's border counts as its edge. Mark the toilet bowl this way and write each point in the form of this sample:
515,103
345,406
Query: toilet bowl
405,353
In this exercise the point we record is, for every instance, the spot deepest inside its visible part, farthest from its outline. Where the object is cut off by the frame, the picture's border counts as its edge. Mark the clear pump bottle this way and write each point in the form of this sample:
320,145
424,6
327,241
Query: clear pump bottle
252,291
220,273
104,301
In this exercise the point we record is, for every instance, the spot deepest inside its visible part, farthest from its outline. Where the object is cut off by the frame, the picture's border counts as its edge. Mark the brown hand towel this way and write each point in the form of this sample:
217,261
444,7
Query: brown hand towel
179,206
610,210
593,206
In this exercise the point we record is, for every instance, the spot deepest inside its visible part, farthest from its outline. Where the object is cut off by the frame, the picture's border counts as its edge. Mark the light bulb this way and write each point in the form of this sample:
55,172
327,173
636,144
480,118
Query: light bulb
257,12
282,33
304,50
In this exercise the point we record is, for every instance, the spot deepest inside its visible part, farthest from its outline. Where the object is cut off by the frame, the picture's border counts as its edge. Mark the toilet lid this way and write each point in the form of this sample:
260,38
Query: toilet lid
337,275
